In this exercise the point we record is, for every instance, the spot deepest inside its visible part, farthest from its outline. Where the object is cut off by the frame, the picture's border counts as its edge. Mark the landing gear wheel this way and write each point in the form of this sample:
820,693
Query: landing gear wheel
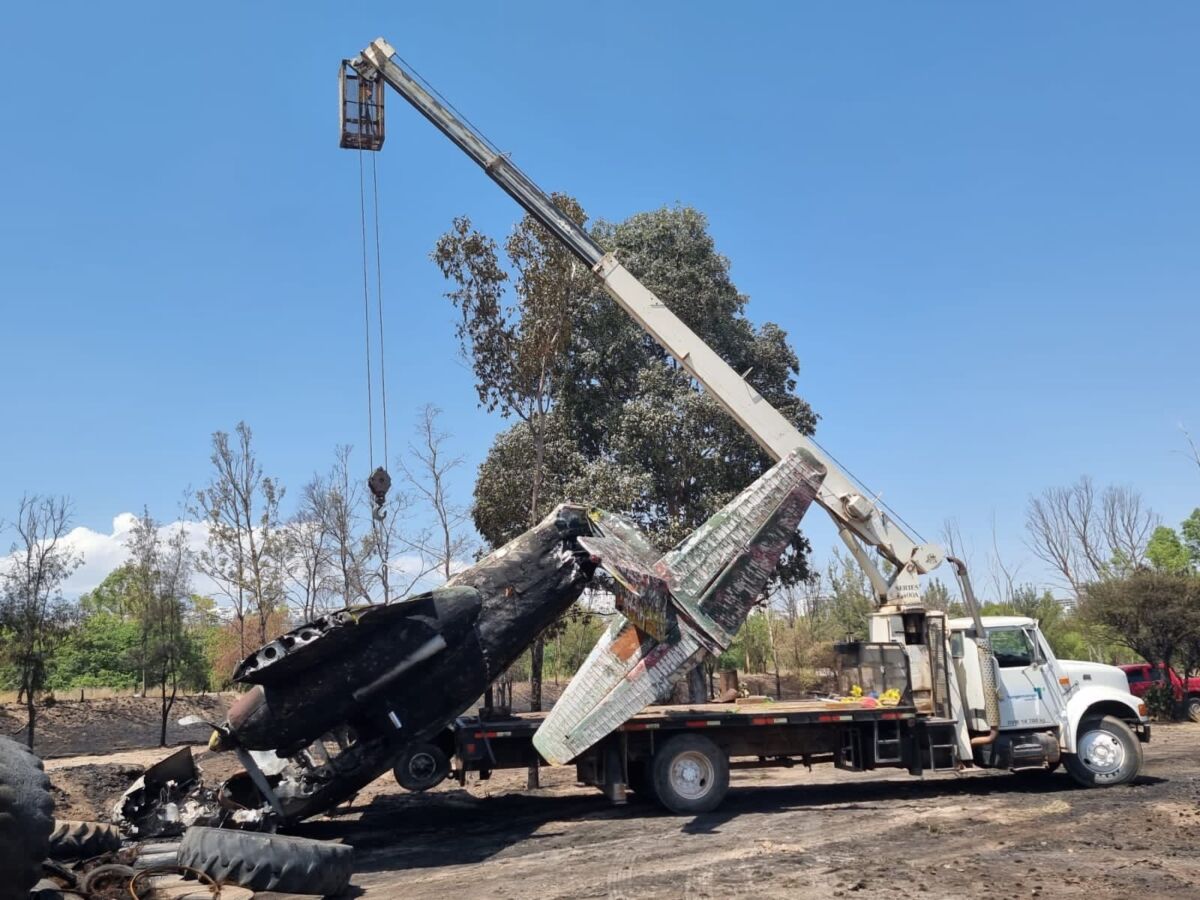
421,767
26,818
1107,753
690,774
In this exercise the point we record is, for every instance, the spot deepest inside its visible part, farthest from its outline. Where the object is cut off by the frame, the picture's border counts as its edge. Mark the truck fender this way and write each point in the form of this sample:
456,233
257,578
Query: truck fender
1102,701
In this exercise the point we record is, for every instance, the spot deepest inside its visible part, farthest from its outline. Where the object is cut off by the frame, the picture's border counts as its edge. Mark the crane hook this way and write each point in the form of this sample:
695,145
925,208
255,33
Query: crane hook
379,484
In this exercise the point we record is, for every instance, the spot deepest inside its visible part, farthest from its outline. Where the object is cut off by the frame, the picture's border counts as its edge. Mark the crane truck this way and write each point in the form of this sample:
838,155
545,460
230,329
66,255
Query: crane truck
979,691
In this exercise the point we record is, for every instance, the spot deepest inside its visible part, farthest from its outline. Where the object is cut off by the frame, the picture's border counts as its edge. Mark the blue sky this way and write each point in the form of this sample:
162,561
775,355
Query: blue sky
978,224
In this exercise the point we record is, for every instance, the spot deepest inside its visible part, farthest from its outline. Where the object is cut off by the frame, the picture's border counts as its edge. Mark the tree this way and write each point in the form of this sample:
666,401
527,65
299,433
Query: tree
161,576
308,550
245,550
1190,532
852,598
1153,613
1086,535
1167,552
516,349
427,471
625,425
33,614
349,548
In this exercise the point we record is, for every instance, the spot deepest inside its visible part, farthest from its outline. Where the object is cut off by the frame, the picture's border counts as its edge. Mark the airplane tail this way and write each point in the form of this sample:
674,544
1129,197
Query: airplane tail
672,611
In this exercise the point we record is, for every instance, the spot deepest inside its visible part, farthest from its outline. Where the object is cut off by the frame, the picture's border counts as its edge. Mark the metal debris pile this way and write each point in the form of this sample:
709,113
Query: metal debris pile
175,837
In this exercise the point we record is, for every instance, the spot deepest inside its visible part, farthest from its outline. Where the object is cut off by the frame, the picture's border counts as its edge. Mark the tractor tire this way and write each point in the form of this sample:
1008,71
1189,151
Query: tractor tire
1108,753
690,774
83,840
26,818
268,862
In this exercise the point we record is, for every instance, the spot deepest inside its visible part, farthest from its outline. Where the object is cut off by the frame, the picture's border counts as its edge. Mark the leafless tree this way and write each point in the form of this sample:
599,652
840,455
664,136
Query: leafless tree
244,556
427,471
350,547
307,541
33,614
1193,452
1003,575
1086,536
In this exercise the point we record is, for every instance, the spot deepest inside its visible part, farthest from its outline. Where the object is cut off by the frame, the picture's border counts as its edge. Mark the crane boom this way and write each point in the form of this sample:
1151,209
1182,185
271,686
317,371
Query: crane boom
859,519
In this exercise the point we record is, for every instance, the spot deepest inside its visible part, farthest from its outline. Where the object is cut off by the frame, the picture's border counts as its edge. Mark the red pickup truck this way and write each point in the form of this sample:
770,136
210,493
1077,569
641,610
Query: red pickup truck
1142,675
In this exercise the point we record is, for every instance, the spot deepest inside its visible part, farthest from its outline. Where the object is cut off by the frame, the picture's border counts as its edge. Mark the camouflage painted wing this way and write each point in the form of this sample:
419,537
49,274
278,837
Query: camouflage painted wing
715,578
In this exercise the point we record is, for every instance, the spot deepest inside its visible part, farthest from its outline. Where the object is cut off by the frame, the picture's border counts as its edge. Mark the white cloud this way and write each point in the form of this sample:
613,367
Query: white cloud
102,552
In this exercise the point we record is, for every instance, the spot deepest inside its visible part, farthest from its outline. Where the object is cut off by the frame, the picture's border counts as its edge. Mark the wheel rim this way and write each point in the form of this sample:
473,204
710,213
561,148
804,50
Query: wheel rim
692,775
422,766
1102,752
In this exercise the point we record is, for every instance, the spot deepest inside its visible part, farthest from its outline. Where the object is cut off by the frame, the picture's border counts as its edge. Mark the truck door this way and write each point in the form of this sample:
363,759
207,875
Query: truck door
1023,703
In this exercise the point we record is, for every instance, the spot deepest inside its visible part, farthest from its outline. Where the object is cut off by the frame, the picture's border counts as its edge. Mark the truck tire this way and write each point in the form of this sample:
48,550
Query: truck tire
268,862
26,818
1193,707
421,767
1107,753
690,774
83,840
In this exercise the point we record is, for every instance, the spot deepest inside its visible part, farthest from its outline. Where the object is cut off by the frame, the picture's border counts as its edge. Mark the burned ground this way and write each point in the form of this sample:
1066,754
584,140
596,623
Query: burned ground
780,832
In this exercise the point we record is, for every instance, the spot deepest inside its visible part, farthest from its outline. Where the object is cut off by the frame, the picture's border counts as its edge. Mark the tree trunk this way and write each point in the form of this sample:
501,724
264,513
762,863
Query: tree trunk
31,713
697,689
536,653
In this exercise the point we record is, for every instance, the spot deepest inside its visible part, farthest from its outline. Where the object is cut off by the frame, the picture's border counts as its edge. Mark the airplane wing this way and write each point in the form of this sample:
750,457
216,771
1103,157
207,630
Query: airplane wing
714,579
642,595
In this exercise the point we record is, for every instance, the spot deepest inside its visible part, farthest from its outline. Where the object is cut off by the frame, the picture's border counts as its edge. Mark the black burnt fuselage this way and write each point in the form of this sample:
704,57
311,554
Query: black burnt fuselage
401,672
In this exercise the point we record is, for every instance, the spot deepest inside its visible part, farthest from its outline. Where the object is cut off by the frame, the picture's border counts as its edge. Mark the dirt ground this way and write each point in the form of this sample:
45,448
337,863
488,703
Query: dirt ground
779,833
71,727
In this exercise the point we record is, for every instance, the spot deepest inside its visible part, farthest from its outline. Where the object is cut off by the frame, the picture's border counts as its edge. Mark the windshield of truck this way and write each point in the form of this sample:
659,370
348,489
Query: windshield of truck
1011,647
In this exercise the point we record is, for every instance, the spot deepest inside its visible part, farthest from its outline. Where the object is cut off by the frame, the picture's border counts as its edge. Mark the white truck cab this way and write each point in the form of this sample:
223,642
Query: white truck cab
1050,709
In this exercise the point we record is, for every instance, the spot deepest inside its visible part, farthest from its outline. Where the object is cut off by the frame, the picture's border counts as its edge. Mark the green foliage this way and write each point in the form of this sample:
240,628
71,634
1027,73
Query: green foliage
1160,701
101,652
852,600
1166,552
1190,530
624,426
1154,613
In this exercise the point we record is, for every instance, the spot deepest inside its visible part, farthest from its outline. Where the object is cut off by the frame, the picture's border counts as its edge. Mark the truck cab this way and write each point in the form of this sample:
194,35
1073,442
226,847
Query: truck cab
1080,713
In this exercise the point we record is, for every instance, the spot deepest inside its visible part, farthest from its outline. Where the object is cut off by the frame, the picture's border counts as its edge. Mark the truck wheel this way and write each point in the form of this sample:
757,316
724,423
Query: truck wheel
1107,752
1193,708
268,862
26,817
690,774
421,767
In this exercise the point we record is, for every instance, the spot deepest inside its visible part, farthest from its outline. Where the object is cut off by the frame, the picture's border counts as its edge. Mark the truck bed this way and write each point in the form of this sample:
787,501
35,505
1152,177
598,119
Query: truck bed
745,714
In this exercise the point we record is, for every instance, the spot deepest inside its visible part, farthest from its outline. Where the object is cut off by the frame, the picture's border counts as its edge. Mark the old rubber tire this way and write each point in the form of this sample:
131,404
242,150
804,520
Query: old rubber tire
421,767
26,818
690,774
268,862
1107,753
83,840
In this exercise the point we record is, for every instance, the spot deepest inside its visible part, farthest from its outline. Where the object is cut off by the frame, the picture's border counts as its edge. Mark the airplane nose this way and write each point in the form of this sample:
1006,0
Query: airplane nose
248,713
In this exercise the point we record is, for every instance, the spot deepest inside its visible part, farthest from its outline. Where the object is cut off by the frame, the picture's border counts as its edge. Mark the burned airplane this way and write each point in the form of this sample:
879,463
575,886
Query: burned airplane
338,701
